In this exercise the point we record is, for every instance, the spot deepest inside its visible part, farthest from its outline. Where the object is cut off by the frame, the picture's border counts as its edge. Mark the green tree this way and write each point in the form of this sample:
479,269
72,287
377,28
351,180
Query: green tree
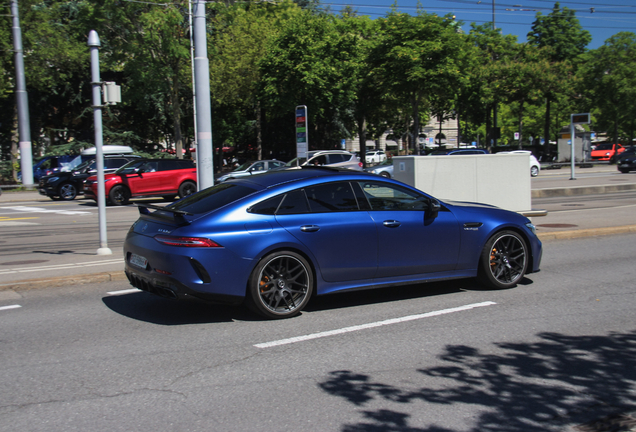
313,62
420,59
146,48
517,79
609,85
561,31
240,41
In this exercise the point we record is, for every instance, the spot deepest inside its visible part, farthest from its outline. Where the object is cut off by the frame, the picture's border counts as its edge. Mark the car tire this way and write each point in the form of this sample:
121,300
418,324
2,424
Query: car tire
385,174
624,171
503,261
280,285
118,195
534,171
67,191
187,188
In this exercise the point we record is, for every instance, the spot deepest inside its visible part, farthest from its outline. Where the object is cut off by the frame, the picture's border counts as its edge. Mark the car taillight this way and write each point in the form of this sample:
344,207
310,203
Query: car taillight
186,241
360,164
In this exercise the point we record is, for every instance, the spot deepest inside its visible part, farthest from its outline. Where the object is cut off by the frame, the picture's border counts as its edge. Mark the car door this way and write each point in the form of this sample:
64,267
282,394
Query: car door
146,181
326,219
408,242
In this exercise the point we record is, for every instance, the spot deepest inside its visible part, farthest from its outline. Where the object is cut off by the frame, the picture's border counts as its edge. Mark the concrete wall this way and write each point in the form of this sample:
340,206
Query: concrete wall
500,180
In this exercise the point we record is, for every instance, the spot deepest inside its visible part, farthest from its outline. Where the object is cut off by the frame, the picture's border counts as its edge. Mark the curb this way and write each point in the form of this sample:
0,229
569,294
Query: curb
119,276
591,232
582,190
30,284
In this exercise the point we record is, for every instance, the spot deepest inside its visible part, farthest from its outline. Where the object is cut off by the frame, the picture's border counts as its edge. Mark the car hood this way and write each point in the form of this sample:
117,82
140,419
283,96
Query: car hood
465,205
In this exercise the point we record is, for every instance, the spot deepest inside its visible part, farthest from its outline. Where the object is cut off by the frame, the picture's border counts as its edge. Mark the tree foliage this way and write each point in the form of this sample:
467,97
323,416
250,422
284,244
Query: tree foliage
359,77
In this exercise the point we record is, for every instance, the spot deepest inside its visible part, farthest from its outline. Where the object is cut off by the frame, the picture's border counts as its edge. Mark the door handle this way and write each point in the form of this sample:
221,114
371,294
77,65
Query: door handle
391,223
309,228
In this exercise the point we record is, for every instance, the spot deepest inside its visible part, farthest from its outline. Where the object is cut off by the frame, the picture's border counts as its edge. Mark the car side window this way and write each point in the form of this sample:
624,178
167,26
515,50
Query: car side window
267,207
258,166
318,160
336,158
385,196
294,202
331,197
149,167
168,165
114,162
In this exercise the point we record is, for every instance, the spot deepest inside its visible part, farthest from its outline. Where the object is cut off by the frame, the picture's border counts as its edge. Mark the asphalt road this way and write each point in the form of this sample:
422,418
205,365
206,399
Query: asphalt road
551,354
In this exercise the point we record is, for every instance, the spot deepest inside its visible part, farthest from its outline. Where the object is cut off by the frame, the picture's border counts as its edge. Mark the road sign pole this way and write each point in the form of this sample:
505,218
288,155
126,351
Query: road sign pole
302,135
572,150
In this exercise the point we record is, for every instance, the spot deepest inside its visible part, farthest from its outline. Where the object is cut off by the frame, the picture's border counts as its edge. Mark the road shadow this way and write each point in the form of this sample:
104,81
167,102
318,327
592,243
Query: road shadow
559,381
398,293
154,309
150,308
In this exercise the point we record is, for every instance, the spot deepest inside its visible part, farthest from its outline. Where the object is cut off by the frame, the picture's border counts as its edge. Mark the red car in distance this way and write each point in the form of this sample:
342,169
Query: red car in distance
607,152
165,178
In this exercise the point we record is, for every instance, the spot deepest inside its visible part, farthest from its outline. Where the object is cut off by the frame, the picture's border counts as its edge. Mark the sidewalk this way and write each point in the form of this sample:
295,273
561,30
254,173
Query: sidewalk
66,269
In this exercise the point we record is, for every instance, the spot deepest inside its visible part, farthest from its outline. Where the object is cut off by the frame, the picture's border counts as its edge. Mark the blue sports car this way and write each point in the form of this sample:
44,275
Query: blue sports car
276,239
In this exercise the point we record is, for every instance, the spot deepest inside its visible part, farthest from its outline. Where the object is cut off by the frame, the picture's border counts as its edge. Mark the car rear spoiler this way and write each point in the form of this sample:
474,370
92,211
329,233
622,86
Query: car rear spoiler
177,216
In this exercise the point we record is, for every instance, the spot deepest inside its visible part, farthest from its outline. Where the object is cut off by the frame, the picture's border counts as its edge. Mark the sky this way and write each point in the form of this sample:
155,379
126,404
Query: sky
602,18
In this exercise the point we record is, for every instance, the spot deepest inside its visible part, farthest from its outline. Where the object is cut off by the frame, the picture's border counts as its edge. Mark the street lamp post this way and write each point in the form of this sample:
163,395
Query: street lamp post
94,44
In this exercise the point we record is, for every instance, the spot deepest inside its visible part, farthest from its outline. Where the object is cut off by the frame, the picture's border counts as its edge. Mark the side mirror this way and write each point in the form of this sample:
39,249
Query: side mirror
433,209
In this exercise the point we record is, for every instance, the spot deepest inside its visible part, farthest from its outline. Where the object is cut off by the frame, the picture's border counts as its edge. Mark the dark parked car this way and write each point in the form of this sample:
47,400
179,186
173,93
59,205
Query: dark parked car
626,162
67,185
275,239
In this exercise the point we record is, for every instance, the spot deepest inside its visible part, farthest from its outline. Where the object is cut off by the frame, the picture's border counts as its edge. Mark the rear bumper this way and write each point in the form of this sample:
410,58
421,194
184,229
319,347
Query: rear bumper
171,288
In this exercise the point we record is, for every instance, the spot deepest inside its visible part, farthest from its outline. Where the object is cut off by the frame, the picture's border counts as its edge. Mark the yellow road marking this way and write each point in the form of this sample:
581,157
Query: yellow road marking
4,219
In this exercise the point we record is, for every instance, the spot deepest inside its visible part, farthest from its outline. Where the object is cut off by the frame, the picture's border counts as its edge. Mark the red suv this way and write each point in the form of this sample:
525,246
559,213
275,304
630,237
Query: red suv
146,178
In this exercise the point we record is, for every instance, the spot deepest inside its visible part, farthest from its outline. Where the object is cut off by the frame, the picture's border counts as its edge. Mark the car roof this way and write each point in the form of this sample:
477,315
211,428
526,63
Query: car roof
290,174
315,152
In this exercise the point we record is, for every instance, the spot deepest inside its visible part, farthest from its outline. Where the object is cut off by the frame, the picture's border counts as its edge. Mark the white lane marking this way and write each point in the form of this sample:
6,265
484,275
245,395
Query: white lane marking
371,325
61,266
122,292
2,308
16,224
25,209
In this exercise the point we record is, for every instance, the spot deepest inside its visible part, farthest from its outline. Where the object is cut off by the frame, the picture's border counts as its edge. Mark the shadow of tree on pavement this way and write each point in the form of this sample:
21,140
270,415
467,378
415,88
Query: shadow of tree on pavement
557,382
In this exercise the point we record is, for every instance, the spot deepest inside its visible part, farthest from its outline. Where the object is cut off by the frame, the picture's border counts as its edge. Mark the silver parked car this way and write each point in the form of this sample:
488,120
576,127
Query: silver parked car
251,168
385,169
331,158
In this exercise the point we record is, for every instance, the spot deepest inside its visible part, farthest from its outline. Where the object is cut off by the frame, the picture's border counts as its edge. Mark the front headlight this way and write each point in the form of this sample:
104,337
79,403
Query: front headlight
52,179
532,228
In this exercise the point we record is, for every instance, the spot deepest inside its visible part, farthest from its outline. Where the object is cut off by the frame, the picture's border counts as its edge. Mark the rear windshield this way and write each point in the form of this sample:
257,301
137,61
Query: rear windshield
212,198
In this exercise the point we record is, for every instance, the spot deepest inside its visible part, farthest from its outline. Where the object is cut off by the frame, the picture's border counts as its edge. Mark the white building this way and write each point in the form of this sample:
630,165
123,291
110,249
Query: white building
448,133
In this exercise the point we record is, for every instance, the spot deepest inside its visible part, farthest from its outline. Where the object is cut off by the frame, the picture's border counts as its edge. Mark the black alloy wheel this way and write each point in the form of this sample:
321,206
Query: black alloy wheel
280,286
67,191
504,260
187,188
118,195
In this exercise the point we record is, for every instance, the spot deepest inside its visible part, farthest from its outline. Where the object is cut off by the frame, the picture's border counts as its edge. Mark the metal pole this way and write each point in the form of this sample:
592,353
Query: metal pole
194,91
205,167
94,44
24,130
572,152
